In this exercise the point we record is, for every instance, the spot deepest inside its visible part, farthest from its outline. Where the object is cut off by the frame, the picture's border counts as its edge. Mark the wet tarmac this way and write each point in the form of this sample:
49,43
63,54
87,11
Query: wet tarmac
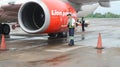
29,50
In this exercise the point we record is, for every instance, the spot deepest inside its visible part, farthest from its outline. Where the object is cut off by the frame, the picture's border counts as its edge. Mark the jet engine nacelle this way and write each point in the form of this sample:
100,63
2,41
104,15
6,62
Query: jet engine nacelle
44,16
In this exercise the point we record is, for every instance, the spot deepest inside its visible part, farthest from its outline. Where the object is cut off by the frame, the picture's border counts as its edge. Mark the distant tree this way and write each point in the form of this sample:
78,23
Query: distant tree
106,15
98,15
109,15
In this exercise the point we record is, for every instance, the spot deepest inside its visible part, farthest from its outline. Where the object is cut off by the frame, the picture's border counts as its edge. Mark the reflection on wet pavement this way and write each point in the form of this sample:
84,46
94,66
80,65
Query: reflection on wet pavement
41,51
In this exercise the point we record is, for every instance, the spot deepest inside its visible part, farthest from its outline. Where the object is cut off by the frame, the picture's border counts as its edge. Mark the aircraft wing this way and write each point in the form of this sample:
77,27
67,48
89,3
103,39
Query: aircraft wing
104,3
86,7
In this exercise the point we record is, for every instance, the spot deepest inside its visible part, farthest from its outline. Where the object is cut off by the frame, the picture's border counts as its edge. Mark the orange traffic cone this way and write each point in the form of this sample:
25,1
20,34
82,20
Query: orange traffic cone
99,44
3,43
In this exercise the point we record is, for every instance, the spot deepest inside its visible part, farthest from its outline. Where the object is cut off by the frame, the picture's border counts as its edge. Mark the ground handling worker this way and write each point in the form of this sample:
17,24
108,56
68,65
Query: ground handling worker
83,24
71,26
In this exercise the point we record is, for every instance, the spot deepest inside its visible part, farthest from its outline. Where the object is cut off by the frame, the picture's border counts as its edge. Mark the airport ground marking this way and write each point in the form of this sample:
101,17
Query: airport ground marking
64,49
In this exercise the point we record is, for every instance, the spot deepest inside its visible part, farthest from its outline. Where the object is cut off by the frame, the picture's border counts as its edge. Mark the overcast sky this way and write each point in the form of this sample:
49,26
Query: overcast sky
115,8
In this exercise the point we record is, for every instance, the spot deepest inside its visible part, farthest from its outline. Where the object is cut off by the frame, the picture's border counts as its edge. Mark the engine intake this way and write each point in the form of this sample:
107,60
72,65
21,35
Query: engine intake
34,17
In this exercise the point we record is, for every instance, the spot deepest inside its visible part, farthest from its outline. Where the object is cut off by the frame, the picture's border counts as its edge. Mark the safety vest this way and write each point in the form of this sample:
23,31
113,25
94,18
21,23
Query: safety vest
70,23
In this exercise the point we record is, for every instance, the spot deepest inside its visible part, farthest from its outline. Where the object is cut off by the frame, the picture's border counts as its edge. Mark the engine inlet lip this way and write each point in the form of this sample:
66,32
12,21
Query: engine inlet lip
46,12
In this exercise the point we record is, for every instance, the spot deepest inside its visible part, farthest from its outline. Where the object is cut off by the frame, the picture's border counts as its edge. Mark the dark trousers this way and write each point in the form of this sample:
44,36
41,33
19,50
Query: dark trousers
71,36
83,26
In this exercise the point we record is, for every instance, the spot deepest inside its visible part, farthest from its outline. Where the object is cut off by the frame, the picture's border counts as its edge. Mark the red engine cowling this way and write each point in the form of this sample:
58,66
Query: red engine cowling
44,16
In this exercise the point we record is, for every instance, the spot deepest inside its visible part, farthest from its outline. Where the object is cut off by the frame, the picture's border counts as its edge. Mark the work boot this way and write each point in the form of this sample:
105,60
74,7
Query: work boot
71,42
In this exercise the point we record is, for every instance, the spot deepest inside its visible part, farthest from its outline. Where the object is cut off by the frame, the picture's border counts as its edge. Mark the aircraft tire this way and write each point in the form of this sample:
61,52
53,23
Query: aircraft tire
63,34
5,29
52,35
1,28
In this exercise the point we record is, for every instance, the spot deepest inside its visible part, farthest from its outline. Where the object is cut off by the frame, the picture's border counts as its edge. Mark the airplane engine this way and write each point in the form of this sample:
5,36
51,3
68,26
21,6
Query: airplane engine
44,16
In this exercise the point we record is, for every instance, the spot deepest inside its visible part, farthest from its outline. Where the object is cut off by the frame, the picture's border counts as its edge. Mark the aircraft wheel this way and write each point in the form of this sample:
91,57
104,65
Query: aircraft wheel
5,29
63,34
59,35
1,28
52,35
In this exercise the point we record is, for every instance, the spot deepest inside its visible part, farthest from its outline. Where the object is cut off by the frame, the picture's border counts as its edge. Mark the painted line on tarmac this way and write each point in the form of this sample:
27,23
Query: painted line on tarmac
64,49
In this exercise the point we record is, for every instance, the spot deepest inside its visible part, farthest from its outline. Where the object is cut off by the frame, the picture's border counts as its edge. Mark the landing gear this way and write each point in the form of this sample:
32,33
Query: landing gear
57,35
4,29
52,35
63,34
